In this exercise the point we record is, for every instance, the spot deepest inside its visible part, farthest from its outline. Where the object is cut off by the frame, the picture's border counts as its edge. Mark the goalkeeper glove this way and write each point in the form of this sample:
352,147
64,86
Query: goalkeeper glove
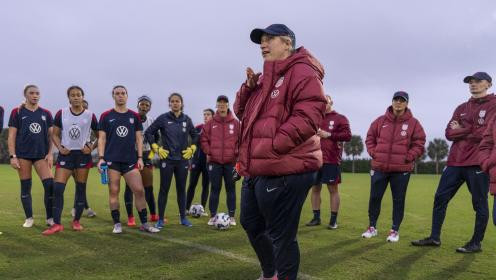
188,153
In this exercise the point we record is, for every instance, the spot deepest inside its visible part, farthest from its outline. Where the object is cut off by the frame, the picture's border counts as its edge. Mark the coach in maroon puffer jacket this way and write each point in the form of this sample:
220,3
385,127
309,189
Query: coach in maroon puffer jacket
394,142
281,116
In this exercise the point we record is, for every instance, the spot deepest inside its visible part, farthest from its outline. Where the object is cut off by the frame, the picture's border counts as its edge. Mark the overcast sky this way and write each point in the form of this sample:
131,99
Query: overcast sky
200,49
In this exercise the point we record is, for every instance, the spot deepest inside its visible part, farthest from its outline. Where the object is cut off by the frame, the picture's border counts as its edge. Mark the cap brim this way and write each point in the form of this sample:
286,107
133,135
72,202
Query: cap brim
468,78
257,33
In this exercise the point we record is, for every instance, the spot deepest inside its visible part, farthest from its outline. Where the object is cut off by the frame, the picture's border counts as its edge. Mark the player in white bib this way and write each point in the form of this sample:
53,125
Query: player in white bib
144,106
71,131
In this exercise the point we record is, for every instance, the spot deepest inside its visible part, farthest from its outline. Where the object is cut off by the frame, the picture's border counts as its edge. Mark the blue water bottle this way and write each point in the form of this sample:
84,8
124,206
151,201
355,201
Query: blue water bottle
104,174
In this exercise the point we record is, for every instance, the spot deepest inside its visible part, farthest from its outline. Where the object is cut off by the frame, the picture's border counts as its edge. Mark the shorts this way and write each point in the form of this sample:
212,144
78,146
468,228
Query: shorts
329,174
147,162
33,160
122,167
76,159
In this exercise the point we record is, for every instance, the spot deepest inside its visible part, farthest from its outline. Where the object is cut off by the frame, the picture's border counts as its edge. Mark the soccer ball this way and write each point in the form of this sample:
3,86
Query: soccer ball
196,210
221,221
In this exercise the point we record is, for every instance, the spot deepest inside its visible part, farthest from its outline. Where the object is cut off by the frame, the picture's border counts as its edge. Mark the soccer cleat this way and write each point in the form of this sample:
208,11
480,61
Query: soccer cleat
131,222
73,212
50,222
232,221
153,217
53,229
470,247
28,222
271,278
117,228
332,226
160,224
149,228
186,222
204,214
426,242
370,232
211,222
313,222
394,236
76,225
91,213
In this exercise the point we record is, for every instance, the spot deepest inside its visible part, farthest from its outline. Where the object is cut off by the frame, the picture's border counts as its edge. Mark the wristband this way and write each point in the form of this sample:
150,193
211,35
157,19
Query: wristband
13,156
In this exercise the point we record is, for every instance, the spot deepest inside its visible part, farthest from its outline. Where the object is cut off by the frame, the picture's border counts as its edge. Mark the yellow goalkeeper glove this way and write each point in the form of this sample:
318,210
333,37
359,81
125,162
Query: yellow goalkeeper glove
188,153
156,149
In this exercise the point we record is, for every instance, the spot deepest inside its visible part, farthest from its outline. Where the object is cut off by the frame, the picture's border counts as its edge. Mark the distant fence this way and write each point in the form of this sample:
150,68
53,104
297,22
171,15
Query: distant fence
363,166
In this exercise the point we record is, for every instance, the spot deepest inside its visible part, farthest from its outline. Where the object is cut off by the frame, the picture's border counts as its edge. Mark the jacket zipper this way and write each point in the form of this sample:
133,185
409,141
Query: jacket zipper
391,143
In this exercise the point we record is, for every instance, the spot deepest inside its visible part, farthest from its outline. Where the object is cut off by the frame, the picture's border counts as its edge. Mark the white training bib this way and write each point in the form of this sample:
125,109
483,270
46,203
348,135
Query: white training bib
76,130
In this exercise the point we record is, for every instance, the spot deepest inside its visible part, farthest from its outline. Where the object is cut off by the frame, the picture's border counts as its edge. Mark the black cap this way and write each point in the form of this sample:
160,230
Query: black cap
401,94
274,30
144,98
478,76
222,98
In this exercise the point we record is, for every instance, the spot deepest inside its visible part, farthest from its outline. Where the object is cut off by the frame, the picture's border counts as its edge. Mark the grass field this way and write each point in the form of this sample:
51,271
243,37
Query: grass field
201,252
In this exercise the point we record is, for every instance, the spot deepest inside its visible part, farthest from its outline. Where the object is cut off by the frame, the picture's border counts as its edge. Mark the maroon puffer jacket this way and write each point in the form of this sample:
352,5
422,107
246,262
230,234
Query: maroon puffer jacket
487,154
332,147
395,142
473,116
219,139
280,118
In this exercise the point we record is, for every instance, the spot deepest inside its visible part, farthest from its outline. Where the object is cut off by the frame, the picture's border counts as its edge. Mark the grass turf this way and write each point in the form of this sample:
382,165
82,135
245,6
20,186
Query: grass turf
201,252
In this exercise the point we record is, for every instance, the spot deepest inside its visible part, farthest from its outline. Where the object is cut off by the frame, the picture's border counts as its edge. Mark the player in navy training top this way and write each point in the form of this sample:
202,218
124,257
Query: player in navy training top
120,146
30,129
71,132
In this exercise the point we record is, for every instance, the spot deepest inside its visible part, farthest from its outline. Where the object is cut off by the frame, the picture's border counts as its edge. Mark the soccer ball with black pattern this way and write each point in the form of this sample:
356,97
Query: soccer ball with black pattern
196,210
222,221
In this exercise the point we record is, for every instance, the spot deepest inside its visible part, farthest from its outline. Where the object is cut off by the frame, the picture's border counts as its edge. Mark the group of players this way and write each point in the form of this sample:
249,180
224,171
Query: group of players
289,130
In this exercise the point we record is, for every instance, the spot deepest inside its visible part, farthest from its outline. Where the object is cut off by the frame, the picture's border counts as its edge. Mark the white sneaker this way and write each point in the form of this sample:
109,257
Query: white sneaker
90,213
149,228
204,214
371,232
232,222
117,228
50,222
394,236
28,222
211,222
73,212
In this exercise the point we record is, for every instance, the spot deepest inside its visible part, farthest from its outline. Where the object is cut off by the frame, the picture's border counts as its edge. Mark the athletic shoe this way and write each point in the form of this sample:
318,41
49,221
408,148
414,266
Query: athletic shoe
204,214
50,222
470,247
117,228
232,221
186,212
211,222
76,225
73,212
393,236
160,224
153,217
186,222
28,222
371,232
91,213
426,242
332,226
149,228
53,229
271,278
165,220
313,222
131,222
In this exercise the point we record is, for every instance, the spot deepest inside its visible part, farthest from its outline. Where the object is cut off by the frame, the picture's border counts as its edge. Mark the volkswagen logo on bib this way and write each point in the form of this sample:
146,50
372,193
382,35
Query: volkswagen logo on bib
35,128
74,132
121,131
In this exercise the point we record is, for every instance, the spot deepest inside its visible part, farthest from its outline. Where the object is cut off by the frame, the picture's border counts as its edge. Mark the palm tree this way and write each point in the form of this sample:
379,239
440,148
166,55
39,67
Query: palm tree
437,151
354,148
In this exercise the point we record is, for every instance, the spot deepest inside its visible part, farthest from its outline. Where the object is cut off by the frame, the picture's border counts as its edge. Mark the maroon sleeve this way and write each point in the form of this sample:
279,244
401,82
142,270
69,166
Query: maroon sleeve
205,138
417,144
486,148
138,126
456,134
14,119
344,132
371,140
58,119
308,112
242,97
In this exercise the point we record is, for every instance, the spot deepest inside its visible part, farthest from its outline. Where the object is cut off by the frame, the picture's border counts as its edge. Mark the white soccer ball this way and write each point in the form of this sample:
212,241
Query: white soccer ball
196,210
222,221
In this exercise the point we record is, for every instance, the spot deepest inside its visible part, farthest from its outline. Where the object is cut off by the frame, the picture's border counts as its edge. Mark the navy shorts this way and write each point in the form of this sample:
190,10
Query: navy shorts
329,174
74,160
33,160
122,167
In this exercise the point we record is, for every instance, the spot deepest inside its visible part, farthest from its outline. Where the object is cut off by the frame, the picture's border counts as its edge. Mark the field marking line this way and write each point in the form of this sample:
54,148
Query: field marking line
215,250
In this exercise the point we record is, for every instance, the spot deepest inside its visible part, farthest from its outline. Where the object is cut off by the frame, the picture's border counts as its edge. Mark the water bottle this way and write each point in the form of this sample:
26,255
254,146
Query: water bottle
104,174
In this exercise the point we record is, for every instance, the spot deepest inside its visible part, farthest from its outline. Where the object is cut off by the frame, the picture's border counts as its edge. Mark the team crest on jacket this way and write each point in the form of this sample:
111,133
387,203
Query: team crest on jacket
403,133
482,113
331,124
274,94
280,81
405,126
131,120
231,126
43,117
184,124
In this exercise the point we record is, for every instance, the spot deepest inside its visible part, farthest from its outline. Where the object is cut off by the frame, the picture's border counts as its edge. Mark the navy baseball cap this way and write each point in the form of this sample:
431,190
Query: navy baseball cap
401,94
478,76
274,30
222,98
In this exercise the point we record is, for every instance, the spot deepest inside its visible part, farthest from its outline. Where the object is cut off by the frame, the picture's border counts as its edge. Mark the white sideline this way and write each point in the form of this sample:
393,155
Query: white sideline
214,250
